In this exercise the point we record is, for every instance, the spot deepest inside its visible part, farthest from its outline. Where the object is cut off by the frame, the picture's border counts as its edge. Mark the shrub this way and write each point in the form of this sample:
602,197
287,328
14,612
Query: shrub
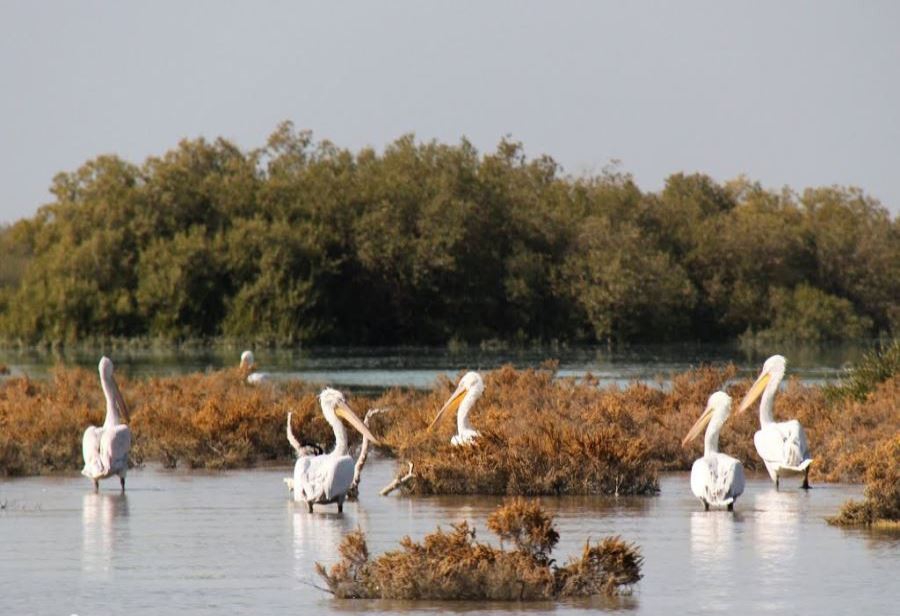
454,566
882,496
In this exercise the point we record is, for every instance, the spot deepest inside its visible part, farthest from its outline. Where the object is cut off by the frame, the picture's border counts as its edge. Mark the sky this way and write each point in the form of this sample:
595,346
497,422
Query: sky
786,93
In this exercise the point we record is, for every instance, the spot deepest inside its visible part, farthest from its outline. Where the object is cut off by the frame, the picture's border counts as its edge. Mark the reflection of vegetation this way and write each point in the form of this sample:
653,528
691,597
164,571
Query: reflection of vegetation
427,243
881,507
453,565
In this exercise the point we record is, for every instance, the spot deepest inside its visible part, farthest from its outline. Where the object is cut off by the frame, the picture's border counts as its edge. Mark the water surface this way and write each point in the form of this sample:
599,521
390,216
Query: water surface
373,369
226,543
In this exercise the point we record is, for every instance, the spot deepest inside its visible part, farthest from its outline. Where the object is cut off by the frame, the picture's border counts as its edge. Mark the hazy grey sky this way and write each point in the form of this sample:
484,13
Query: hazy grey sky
797,93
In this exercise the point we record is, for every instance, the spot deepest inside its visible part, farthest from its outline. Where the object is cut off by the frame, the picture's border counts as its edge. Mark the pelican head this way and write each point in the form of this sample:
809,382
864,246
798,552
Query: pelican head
470,384
247,359
718,408
106,377
335,407
772,370
106,367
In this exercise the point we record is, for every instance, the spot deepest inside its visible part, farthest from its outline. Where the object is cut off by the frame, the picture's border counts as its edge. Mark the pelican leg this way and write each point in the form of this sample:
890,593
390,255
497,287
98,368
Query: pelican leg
96,485
730,506
340,505
122,481
705,506
805,485
776,481
309,506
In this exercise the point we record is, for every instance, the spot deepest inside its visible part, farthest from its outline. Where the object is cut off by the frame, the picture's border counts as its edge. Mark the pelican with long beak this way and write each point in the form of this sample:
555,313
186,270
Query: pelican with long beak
326,478
470,388
781,444
105,449
248,365
717,479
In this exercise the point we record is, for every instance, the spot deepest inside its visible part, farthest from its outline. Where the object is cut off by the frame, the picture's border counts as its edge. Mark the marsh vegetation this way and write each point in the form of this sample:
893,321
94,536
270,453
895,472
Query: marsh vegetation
454,565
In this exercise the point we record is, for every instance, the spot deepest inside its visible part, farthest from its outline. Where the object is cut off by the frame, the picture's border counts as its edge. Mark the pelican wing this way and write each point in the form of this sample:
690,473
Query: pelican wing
115,443
322,478
717,479
90,450
783,443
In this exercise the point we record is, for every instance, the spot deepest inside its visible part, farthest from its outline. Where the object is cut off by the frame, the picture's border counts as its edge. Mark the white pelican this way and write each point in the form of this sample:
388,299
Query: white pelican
325,478
248,363
781,445
716,479
467,392
106,449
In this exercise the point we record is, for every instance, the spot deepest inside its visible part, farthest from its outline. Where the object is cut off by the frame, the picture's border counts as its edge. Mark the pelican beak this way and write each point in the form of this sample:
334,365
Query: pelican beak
120,402
754,392
698,426
452,404
343,411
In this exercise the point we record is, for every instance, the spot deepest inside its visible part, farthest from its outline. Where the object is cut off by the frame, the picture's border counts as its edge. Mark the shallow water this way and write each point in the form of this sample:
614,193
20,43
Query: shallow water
204,543
374,369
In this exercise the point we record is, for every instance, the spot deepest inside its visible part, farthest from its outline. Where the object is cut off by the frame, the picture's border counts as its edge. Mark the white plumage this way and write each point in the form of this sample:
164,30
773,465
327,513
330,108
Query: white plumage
248,364
326,478
105,449
782,445
470,388
717,479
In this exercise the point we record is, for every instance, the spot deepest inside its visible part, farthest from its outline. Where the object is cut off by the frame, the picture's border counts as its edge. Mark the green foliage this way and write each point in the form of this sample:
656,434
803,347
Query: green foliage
875,367
807,314
303,242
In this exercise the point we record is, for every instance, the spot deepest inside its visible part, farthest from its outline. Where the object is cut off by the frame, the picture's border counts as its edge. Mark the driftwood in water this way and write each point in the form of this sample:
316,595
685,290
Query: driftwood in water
353,492
398,481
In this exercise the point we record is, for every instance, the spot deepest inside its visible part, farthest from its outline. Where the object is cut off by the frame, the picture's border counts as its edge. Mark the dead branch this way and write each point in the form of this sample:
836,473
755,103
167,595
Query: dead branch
398,481
353,492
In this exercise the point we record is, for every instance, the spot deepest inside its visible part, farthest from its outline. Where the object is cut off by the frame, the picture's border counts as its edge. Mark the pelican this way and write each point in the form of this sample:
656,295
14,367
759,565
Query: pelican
323,479
248,363
781,445
105,449
467,393
716,479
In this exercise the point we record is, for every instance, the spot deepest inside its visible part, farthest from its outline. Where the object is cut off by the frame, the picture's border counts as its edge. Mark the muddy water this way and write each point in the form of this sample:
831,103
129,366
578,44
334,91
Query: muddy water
233,543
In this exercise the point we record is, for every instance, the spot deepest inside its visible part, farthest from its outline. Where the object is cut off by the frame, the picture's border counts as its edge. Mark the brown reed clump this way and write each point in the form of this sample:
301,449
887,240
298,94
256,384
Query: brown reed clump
211,420
542,435
454,566
881,506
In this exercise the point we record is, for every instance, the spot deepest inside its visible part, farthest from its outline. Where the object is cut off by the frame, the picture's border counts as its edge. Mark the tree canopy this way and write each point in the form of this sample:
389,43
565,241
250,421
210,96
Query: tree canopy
303,242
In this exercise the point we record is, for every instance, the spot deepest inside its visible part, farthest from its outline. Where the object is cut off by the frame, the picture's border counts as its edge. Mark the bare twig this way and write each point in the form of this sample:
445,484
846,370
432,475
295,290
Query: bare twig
398,481
353,492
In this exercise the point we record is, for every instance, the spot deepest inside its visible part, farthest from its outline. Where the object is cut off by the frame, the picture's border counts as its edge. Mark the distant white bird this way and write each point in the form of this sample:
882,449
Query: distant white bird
717,479
326,478
781,445
470,388
248,363
106,449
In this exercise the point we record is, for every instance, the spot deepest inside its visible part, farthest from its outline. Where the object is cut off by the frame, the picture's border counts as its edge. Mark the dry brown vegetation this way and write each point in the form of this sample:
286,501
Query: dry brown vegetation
881,507
540,434
453,565
210,420
554,436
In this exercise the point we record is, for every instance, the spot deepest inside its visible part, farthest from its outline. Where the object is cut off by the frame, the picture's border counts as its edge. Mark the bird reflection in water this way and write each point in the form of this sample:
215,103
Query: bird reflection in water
777,520
318,537
102,522
714,555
